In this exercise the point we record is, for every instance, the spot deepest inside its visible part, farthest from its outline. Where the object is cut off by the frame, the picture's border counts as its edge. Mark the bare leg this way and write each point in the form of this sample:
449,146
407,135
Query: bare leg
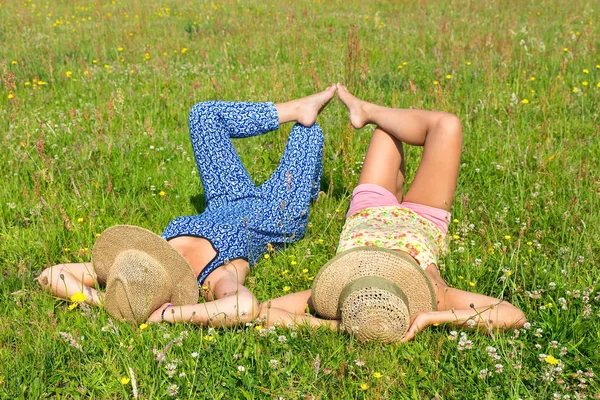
305,110
64,280
384,163
440,133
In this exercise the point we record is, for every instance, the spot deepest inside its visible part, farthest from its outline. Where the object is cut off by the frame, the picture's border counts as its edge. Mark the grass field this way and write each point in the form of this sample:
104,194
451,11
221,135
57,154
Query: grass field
93,113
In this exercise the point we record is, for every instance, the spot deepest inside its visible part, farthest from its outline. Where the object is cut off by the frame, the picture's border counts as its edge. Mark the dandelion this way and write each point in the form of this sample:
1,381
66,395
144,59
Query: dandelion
377,375
363,386
286,288
507,237
551,360
10,96
305,271
532,78
162,193
293,263
524,101
586,71
68,73
41,83
468,62
320,241
120,49
584,83
448,76
79,219
565,49
184,50
143,326
125,381
78,297
436,83
575,90
472,283
266,256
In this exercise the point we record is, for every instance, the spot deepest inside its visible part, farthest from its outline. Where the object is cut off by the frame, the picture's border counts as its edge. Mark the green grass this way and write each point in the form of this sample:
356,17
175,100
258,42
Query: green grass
95,144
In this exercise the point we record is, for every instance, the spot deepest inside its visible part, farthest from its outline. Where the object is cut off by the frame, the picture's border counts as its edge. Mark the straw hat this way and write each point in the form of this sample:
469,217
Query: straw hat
142,272
373,291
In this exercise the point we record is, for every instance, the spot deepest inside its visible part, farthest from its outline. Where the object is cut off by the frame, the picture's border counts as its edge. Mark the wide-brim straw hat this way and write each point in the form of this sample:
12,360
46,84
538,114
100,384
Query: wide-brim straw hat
141,271
373,291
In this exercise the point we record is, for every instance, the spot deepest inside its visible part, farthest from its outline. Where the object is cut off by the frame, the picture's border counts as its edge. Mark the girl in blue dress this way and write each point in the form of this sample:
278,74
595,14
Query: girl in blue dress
241,219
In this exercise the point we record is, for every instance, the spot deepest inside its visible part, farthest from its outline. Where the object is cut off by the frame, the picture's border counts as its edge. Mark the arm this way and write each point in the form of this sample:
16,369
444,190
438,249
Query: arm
64,280
233,303
462,308
293,309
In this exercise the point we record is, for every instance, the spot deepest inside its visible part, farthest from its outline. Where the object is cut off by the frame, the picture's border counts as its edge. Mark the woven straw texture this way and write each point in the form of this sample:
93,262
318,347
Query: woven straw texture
374,314
371,261
141,271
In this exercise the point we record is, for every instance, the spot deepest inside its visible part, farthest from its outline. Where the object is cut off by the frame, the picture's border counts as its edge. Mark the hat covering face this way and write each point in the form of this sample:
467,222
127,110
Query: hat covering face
142,271
373,292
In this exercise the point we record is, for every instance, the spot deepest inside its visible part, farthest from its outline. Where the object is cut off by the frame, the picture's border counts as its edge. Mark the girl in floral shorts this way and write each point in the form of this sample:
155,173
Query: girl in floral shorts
416,224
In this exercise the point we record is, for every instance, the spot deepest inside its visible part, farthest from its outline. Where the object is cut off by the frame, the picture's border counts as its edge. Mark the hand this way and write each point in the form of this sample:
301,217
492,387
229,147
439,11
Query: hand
419,322
157,316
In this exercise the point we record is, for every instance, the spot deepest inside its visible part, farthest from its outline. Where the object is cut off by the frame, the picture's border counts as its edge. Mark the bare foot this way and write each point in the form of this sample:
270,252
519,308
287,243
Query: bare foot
358,116
305,110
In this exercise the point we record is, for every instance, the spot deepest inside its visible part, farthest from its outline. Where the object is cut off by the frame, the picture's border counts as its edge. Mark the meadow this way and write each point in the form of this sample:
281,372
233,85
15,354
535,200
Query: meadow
94,101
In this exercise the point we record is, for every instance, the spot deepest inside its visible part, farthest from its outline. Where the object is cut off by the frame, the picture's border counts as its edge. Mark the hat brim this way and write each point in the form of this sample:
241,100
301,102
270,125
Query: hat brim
364,261
119,238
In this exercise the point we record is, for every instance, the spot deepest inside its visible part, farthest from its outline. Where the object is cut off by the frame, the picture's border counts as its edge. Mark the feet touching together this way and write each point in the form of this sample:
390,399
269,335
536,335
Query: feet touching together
305,110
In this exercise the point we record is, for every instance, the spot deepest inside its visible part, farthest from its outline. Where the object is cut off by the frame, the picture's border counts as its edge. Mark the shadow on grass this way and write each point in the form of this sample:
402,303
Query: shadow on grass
199,202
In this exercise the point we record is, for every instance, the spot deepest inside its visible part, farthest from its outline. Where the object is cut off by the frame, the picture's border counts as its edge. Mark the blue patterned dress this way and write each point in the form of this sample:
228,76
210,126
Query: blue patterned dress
241,219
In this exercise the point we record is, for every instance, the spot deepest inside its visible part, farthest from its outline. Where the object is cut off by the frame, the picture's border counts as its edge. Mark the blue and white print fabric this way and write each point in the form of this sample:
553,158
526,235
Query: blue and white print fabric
241,219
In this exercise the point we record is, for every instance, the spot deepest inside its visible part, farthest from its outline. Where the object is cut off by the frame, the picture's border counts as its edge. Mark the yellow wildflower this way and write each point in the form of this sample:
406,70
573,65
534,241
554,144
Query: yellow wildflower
120,49
377,375
184,50
565,49
575,90
286,288
364,386
161,193
305,271
436,83
10,96
448,76
471,283
468,62
584,83
524,101
125,381
72,306
258,327
143,326
266,256
78,297
586,71
68,73
293,263
507,237
551,360
79,219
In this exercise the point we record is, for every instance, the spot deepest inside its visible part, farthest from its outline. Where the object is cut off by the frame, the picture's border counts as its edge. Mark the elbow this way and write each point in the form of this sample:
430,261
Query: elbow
516,318
45,278
248,309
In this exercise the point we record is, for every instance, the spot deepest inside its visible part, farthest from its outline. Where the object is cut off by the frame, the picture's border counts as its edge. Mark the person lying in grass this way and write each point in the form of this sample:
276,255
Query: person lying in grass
240,219
415,224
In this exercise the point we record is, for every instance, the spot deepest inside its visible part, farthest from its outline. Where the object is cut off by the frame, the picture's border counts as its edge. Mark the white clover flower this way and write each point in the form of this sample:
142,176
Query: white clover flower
241,368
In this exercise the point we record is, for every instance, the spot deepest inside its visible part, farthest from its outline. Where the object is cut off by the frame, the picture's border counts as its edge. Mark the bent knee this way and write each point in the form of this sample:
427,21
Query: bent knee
202,111
451,126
